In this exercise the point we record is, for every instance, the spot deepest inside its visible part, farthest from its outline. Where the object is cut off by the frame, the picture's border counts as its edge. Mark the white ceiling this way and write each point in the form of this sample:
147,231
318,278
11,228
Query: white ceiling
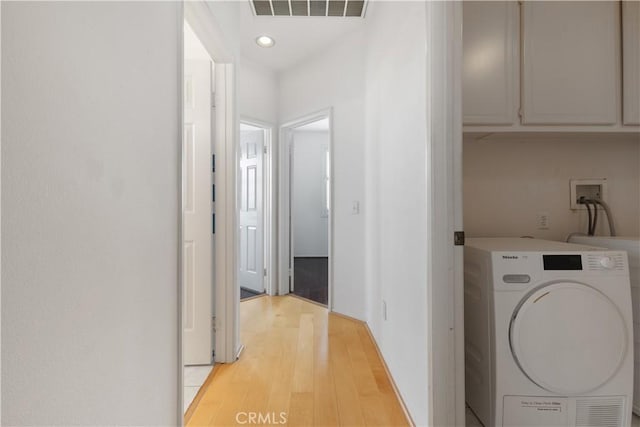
297,38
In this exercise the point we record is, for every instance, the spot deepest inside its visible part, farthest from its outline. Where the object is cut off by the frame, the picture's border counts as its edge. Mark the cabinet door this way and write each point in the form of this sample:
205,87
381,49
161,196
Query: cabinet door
570,62
631,63
490,62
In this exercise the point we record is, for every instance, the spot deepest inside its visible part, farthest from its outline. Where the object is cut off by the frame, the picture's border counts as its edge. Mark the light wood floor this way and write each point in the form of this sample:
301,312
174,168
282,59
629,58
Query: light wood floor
318,368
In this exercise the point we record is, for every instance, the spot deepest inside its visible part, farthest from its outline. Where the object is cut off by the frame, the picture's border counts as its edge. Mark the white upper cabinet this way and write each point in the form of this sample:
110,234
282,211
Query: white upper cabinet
570,62
490,63
631,63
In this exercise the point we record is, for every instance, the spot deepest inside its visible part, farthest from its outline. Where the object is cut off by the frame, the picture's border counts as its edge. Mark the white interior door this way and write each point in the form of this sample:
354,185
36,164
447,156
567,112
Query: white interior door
198,223
251,224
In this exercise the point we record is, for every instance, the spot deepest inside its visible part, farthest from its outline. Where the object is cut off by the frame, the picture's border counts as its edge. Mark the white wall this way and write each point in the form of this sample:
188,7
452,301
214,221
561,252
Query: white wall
508,180
310,221
257,88
334,78
90,199
396,208
193,47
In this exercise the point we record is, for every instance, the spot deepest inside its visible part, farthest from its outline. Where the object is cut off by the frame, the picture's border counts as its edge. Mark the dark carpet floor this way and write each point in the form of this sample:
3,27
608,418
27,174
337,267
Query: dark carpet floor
248,293
311,278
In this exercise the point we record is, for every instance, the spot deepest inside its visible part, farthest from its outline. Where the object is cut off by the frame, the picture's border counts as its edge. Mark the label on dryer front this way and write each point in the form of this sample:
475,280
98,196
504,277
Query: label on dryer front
540,411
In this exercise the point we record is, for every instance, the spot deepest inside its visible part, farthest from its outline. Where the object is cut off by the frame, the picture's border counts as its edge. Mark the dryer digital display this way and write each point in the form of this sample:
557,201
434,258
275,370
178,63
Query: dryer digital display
562,262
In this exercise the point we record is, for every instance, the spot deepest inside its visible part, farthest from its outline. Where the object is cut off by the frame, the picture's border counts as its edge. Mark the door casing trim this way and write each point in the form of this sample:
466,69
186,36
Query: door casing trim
285,236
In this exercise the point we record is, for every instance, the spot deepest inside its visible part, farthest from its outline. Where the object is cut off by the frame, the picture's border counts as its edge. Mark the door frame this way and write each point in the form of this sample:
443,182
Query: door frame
444,194
268,206
285,232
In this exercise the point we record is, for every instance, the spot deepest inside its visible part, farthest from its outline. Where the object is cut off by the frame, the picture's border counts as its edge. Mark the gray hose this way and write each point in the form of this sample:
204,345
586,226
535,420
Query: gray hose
612,229
592,232
590,226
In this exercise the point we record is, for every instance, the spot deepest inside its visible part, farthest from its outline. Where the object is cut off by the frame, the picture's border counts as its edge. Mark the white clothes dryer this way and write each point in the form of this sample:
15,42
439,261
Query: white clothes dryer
631,245
548,334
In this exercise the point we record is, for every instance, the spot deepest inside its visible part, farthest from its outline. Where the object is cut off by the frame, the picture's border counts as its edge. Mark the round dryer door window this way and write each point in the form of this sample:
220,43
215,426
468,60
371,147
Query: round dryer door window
568,338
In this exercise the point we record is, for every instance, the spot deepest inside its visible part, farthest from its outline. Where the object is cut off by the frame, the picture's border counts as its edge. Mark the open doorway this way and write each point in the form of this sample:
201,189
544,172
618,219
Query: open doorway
255,209
310,192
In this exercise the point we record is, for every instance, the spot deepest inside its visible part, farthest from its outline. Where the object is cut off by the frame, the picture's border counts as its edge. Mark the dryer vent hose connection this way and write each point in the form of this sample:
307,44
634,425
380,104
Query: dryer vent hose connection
593,218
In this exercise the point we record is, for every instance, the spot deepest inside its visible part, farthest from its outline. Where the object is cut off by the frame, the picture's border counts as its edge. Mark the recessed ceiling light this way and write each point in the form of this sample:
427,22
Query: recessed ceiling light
265,41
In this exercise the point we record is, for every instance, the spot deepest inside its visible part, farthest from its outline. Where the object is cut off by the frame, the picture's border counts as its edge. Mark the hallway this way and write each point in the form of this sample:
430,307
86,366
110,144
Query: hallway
317,368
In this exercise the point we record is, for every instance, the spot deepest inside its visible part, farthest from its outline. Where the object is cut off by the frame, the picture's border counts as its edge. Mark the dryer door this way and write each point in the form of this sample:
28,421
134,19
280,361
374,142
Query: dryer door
568,337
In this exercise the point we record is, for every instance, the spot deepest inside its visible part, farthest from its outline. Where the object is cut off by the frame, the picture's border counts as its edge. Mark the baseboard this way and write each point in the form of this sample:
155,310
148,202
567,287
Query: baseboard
201,392
386,370
384,365
344,316
253,297
310,301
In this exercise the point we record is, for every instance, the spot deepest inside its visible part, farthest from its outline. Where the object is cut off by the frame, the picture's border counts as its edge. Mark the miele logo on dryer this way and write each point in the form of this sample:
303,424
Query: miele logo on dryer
510,257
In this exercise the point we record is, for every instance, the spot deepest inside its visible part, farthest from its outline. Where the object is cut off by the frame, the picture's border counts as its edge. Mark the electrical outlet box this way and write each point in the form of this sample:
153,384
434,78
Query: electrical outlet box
595,189
542,220
355,207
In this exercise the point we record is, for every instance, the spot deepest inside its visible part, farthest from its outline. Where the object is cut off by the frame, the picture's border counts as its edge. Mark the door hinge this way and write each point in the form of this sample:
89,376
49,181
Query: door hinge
458,238
265,272
213,323
289,272
264,150
213,100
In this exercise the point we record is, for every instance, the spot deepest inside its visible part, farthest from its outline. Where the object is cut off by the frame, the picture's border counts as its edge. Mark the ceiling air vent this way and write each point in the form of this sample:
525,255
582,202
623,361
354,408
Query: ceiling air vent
349,8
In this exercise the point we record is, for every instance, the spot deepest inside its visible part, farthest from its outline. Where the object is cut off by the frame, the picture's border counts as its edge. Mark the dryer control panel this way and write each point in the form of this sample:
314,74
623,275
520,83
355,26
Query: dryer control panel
592,262
519,270
615,261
